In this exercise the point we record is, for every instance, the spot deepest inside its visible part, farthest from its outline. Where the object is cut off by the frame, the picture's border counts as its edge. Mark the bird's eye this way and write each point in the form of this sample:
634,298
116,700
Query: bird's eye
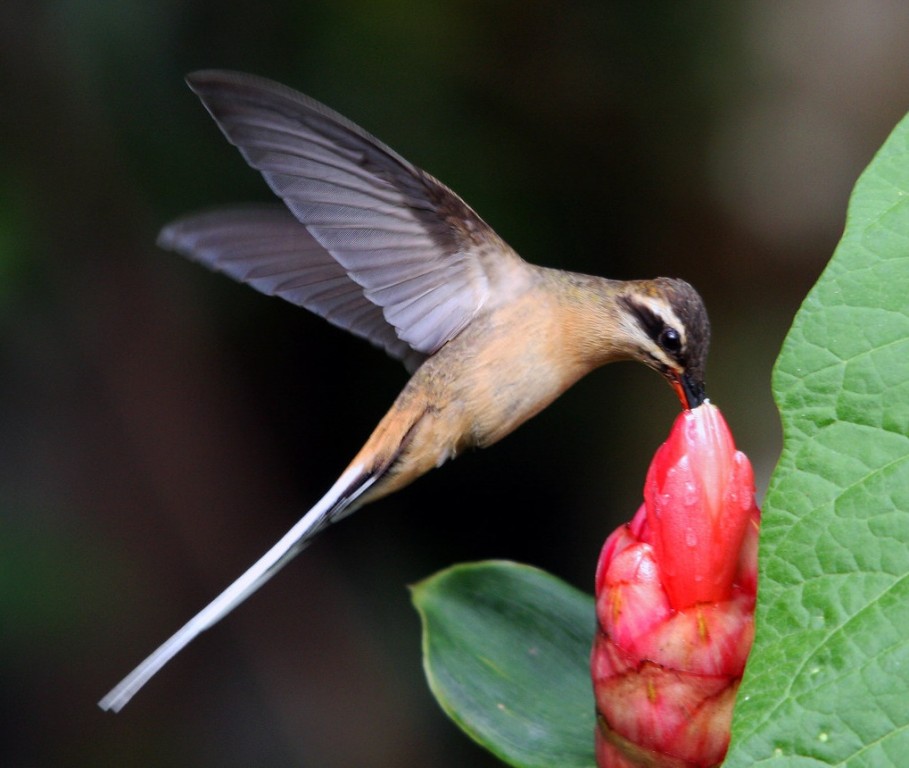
670,341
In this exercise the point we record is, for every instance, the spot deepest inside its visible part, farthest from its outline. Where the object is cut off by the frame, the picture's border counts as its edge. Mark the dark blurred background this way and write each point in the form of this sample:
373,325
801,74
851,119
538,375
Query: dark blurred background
162,426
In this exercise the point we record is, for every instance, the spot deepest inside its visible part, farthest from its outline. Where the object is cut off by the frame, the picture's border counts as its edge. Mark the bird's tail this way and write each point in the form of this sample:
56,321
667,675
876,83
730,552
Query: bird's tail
340,499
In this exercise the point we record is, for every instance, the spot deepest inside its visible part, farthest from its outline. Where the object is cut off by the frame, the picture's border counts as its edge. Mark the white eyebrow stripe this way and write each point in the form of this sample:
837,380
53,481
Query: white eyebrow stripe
666,313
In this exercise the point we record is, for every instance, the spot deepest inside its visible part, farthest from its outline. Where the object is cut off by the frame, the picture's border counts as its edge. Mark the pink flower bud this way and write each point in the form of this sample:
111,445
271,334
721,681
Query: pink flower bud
675,592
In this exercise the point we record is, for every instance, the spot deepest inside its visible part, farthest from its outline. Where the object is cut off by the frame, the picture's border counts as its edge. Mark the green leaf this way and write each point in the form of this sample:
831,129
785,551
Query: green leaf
828,682
506,650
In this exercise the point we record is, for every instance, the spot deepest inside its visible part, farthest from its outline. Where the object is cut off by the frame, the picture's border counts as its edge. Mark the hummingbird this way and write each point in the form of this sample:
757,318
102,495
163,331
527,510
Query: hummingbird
382,249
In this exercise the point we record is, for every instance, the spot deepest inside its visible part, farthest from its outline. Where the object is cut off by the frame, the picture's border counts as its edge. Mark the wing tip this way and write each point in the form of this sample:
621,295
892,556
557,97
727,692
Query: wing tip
201,77
204,82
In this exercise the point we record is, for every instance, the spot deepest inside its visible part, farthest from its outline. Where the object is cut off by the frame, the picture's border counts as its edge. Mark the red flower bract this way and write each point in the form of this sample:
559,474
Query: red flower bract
675,598
699,494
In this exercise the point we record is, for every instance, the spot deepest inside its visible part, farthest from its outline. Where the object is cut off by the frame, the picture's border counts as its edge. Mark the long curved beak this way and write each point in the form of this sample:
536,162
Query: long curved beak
690,391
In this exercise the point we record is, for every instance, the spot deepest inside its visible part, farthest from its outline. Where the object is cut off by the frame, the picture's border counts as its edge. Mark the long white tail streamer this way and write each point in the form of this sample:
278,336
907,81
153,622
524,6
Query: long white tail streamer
329,508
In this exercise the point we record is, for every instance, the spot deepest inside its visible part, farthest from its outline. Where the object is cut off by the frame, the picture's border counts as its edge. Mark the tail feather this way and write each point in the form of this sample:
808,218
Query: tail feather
338,501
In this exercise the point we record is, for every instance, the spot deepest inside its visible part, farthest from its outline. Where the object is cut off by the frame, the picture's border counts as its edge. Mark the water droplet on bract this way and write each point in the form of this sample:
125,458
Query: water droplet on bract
691,539
691,494
691,430
823,736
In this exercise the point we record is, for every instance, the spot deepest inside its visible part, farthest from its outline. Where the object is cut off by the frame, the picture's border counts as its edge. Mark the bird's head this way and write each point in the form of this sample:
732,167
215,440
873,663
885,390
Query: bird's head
667,320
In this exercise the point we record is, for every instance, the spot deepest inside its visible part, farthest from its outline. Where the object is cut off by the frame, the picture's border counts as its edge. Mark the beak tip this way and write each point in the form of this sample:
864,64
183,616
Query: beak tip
691,392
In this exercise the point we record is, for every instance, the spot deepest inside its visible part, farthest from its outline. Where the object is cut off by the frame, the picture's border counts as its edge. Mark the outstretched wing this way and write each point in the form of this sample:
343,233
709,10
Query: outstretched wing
413,247
267,248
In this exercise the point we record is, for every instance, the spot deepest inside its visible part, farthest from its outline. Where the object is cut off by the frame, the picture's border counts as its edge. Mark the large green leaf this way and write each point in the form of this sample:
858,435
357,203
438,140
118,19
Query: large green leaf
828,682
506,651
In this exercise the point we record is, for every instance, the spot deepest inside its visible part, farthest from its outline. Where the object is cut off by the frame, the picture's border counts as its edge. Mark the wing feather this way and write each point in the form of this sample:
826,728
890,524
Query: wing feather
266,247
414,248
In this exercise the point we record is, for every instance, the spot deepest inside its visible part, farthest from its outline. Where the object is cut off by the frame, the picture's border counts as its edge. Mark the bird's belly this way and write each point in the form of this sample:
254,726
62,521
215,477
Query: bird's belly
512,398
502,370
507,384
